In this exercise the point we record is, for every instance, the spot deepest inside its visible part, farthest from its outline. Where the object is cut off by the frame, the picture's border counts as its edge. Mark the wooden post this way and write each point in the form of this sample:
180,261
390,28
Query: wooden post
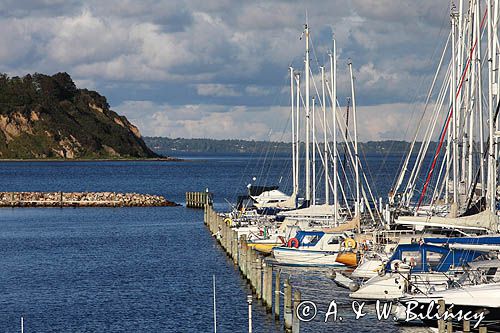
258,278
441,322
483,329
268,283
277,291
252,265
235,246
287,311
242,255
295,320
264,284
466,326
449,326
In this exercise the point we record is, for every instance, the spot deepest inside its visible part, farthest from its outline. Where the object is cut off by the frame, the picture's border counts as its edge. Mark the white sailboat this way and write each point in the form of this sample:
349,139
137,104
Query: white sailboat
457,189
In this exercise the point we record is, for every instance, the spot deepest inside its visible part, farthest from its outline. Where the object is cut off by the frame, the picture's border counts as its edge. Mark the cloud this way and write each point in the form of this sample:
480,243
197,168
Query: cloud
212,89
381,122
220,60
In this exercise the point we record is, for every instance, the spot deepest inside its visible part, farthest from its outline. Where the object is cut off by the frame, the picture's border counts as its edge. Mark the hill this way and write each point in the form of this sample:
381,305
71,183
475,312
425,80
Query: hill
170,145
45,116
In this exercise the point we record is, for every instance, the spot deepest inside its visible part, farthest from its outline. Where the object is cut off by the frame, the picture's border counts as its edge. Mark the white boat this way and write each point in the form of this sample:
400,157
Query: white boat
415,268
370,265
477,301
311,248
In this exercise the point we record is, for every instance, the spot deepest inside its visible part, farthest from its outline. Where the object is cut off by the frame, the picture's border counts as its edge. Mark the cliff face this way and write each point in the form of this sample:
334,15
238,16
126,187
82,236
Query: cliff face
48,117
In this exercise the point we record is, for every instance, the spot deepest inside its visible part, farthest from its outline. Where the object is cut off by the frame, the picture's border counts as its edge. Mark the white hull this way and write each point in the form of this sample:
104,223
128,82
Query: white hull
299,257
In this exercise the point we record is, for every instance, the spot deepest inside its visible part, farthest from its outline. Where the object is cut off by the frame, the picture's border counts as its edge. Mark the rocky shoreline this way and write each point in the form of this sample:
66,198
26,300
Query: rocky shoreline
82,199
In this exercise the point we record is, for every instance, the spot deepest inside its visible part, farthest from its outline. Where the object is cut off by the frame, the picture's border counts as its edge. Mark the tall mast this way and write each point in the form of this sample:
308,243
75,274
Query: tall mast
313,152
294,150
325,129
356,162
454,107
480,96
333,80
297,131
308,135
491,126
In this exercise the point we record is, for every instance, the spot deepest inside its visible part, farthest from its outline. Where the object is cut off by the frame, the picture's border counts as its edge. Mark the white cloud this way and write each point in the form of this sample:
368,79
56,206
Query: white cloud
235,51
380,122
213,89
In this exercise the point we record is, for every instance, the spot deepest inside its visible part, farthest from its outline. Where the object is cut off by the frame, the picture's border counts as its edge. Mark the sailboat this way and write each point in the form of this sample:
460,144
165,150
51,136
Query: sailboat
330,215
456,188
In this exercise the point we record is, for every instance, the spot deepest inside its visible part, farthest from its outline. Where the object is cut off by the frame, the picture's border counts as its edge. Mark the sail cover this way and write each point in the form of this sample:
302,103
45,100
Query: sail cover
484,220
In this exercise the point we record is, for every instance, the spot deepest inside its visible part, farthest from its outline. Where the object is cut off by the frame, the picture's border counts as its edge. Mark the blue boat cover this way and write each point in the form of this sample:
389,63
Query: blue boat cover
425,258
481,240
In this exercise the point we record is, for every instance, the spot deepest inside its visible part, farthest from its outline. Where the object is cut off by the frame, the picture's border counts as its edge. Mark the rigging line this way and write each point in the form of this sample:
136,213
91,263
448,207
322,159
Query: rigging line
443,22
449,118
485,155
422,154
404,165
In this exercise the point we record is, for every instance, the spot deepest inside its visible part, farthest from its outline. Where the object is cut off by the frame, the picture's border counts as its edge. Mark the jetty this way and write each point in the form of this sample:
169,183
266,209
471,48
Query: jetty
269,285
82,199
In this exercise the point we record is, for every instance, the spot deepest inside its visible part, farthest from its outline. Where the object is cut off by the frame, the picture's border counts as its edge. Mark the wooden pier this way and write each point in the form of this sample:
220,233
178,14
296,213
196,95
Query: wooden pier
198,199
265,280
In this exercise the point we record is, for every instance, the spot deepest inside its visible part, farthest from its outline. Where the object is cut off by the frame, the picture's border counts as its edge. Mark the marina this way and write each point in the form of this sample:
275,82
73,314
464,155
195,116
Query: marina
288,181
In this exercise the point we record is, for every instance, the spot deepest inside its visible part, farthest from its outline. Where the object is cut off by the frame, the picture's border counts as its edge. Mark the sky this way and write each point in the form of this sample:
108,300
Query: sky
219,69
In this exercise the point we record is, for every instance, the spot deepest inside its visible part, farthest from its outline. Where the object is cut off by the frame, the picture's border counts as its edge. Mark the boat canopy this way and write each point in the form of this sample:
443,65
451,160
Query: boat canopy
258,190
481,240
427,258
309,238
311,211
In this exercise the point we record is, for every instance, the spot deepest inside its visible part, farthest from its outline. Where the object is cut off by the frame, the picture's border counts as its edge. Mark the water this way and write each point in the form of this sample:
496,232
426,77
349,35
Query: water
134,269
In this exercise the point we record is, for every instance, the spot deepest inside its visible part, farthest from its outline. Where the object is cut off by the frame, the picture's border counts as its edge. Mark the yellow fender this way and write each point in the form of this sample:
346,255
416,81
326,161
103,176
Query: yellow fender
228,221
349,243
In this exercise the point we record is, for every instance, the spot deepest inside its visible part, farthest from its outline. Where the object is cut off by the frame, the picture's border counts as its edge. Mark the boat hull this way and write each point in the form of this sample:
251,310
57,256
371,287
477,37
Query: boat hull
308,258
347,258
266,248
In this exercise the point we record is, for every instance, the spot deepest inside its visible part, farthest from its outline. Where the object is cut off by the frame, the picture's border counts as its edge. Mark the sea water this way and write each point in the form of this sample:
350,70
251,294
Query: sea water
144,269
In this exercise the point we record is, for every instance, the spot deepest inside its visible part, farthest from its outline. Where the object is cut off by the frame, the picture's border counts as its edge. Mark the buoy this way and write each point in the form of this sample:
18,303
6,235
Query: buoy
293,242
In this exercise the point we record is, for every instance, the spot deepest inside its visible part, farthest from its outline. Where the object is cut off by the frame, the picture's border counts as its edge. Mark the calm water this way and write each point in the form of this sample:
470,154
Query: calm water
138,269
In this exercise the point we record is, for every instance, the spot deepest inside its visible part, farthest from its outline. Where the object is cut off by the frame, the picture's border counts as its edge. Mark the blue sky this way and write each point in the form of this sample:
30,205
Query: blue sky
218,69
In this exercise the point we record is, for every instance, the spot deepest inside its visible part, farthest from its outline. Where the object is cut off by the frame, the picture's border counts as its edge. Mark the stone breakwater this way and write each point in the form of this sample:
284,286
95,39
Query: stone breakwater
81,199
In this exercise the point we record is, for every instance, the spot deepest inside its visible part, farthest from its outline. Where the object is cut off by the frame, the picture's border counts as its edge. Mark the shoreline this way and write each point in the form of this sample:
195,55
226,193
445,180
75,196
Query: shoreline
166,159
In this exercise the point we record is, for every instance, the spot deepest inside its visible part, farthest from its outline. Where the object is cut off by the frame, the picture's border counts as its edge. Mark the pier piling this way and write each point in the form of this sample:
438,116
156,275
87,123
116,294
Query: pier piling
277,291
295,321
287,306
441,322
258,278
466,327
258,272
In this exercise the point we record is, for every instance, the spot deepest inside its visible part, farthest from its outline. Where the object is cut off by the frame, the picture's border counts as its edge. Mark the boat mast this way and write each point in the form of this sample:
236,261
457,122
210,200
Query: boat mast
454,108
356,156
480,96
297,130
491,155
308,162
333,79
325,129
294,150
313,152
